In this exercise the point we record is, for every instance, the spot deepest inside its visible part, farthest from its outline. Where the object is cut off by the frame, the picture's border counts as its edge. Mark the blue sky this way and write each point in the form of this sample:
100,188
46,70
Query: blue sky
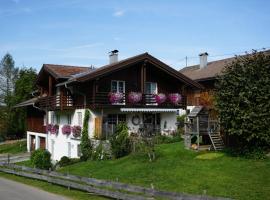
82,32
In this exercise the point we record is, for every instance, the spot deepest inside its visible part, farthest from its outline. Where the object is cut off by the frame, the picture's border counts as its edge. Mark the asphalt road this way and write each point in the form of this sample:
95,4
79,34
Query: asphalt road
11,190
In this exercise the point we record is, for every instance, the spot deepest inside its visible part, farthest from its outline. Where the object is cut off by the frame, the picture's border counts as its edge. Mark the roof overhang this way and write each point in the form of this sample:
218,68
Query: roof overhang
29,102
156,110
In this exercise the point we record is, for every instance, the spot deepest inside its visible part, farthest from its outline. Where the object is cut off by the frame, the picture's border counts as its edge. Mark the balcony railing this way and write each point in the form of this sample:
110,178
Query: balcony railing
56,102
101,99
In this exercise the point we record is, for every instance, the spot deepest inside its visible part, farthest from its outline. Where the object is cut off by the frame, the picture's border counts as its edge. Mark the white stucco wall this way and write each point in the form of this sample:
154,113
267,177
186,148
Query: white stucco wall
37,142
170,119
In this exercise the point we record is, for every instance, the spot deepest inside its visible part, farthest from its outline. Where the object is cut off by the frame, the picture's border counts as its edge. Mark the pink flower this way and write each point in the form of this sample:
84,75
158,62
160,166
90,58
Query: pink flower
55,129
134,97
175,98
48,127
76,131
160,98
66,129
116,97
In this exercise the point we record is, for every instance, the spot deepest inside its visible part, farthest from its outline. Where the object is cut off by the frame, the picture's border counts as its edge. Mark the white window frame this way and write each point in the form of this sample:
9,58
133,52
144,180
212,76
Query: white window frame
79,115
117,85
69,119
151,84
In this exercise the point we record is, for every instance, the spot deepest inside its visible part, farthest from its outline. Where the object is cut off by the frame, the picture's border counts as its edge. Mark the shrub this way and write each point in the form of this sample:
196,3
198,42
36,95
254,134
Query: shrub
41,159
99,153
66,129
64,161
86,147
76,131
242,99
164,139
120,142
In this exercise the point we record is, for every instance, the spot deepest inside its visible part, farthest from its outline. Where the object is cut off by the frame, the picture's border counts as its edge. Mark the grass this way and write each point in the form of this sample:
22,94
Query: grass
71,194
177,169
18,147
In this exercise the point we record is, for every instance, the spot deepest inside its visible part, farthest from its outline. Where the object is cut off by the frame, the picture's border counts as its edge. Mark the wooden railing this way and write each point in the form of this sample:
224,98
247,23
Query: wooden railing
101,99
56,102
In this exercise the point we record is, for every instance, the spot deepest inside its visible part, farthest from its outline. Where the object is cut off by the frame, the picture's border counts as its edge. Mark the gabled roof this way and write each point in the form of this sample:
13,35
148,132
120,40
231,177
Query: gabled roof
62,71
209,72
131,61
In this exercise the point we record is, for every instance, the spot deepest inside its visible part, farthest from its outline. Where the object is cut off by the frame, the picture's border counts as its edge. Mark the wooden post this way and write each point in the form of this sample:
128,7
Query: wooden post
198,129
50,86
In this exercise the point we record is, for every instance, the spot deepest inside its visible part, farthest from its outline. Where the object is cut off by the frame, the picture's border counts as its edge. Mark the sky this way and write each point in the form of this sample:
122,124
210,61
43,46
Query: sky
82,32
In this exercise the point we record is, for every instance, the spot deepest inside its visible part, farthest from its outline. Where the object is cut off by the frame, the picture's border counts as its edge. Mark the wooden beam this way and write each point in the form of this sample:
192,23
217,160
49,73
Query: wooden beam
50,86
143,76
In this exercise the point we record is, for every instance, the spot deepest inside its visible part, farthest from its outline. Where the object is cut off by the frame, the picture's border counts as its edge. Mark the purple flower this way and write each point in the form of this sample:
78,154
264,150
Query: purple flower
160,98
116,97
134,97
76,131
175,98
66,129
55,129
48,127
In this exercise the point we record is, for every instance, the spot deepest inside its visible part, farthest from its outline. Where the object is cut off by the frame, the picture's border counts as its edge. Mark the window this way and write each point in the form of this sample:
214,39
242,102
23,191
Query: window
118,86
116,118
151,88
79,153
45,120
52,118
79,118
69,119
57,119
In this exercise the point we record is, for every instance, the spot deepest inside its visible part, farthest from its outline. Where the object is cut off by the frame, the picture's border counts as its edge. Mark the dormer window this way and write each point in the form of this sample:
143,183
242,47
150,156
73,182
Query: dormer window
118,86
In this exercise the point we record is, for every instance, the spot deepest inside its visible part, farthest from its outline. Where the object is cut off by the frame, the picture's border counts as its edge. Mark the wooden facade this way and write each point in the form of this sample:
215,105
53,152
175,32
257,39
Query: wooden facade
35,120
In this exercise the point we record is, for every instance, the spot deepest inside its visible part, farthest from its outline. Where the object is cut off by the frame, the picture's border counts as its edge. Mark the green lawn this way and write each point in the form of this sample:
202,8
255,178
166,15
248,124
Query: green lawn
18,147
71,194
177,169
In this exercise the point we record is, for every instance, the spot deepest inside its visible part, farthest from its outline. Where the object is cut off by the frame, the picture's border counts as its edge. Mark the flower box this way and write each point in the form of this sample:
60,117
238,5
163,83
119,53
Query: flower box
76,131
116,97
160,98
49,127
175,98
55,129
134,97
66,129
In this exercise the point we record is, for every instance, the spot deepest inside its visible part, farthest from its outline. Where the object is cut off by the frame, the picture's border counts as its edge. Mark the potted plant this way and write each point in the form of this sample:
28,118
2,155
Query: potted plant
115,97
134,97
76,131
160,98
48,127
55,129
175,98
66,129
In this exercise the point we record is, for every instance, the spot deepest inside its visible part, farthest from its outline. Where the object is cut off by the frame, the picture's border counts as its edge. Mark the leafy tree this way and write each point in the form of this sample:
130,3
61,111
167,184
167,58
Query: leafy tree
24,86
86,147
243,99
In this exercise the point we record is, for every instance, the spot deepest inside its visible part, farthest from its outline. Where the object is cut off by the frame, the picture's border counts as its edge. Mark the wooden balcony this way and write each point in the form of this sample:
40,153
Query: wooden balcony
101,100
57,102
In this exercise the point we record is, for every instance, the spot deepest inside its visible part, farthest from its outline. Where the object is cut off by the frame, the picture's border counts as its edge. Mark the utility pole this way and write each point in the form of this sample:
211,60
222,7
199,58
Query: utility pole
186,61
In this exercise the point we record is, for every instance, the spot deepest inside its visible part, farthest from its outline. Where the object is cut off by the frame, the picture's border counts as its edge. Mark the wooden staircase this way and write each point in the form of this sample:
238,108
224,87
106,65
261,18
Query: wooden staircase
217,142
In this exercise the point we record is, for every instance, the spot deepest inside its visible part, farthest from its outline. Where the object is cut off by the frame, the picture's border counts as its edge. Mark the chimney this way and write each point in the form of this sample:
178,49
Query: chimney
203,59
113,55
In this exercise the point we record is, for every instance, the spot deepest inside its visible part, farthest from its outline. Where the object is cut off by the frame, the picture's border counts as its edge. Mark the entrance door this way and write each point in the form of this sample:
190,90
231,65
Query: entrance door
32,143
151,122
42,143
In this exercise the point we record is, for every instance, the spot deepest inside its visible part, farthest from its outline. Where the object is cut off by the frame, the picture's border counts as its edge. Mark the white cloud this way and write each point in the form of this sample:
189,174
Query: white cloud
119,13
